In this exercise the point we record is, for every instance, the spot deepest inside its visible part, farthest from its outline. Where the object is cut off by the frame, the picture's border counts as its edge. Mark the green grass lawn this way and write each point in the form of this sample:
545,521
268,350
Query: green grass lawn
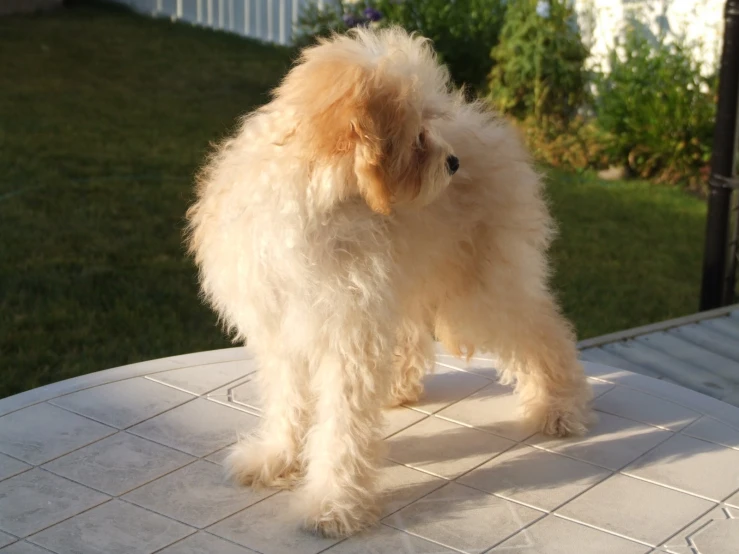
104,117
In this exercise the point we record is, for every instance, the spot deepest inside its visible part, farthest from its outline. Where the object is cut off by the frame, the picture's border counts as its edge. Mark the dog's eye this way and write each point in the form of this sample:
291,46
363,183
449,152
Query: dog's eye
421,141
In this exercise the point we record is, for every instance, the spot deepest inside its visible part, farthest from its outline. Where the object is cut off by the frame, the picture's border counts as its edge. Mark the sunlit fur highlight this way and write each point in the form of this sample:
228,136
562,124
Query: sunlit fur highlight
329,232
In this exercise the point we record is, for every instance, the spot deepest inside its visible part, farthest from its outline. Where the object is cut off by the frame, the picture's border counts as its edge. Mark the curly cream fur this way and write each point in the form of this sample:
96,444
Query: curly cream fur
330,232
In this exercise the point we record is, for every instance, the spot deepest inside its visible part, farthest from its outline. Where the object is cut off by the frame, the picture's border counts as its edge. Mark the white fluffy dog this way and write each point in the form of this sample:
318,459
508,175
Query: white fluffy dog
366,209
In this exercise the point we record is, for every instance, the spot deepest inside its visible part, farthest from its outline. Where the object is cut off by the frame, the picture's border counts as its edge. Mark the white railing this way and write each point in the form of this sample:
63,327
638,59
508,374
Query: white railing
268,20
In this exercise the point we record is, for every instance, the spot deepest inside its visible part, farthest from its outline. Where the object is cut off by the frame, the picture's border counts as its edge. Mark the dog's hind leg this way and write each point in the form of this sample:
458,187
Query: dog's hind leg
413,355
509,313
271,456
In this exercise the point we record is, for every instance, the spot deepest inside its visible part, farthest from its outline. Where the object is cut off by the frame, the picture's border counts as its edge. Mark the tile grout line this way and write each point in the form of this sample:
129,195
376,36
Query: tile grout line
189,463
206,528
29,537
426,416
469,426
530,524
682,432
118,380
452,548
684,527
183,539
226,384
234,406
679,402
608,532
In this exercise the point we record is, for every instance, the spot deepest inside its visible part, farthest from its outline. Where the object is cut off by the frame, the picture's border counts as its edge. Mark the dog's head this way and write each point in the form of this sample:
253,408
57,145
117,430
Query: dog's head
369,101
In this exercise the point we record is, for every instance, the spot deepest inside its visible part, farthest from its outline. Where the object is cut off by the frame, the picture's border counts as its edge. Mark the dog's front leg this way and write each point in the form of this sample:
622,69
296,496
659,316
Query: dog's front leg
343,446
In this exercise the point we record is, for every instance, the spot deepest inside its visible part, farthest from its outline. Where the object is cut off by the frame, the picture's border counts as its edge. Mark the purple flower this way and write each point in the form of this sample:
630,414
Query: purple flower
372,14
351,20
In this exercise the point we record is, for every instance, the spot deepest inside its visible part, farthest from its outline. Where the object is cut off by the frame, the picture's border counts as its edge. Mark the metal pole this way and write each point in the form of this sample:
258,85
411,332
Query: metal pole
713,293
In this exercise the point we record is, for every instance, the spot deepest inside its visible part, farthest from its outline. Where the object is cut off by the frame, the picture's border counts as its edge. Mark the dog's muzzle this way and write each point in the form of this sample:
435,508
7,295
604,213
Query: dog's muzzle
452,164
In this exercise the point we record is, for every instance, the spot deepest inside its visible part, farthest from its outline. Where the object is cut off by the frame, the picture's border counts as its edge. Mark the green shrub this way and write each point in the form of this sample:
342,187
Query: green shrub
463,31
315,22
656,108
574,144
539,63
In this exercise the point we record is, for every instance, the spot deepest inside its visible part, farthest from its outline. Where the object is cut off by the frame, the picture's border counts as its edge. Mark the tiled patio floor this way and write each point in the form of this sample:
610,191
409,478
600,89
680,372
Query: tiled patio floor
127,461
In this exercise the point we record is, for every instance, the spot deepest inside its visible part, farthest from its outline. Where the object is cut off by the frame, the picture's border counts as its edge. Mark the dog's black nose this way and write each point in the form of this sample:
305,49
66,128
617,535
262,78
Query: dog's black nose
452,164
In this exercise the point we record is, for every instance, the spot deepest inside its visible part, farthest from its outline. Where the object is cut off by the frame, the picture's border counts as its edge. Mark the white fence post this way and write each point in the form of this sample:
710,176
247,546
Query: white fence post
270,21
283,37
247,17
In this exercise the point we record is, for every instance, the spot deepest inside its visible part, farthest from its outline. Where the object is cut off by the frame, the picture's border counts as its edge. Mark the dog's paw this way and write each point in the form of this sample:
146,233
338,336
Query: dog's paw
405,393
559,420
255,464
340,521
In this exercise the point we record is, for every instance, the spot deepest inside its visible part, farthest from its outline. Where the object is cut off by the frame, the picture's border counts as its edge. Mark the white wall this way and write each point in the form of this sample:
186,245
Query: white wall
702,20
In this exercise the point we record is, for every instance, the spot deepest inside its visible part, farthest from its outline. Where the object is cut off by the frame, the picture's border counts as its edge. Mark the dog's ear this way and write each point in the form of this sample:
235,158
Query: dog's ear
368,164
345,112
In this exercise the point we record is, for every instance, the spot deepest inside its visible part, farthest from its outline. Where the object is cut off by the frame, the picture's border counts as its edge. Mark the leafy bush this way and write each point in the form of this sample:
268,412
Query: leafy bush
315,22
656,108
463,31
539,63
574,144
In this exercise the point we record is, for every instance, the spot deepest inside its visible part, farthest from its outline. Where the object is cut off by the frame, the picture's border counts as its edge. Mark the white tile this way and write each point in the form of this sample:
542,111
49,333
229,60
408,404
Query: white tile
446,386
397,419
612,443
400,485
118,463
204,543
636,509
605,372
203,379
645,408
713,533
383,540
219,456
212,356
43,432
553,535
444,448
463,518
477,365
719,537
685,397
534,477
691,465
113,528
494,409
243,393
123,403
599,387
36,499
712,430
198,494
23,547
6,539
199,427
267,527
10,466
